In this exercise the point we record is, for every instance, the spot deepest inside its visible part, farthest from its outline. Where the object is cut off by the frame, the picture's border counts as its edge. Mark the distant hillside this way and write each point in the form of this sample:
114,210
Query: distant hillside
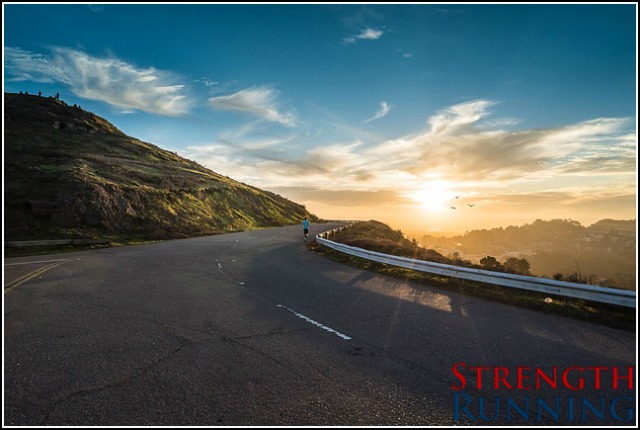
604,251
376,236
71,174
379,237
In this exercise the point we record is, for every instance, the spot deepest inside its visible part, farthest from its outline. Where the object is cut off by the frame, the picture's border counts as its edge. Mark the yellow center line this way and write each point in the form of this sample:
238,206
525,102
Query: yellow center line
21,280
32,262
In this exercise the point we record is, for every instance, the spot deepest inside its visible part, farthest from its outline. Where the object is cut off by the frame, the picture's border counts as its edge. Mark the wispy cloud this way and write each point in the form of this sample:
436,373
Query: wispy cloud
342,197
463,144
370,34
459,144
382,112
208,82
109,80
455,118
365,34
96,7
257,101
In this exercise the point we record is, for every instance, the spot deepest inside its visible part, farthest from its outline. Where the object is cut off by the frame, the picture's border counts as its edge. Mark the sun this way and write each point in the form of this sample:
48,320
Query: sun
434,196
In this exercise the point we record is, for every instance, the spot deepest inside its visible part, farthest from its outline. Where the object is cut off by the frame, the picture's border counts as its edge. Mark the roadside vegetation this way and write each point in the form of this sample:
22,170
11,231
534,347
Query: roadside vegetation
376,236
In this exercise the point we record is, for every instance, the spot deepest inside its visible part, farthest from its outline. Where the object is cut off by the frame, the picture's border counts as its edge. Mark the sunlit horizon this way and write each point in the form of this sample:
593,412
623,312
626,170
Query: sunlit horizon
417,221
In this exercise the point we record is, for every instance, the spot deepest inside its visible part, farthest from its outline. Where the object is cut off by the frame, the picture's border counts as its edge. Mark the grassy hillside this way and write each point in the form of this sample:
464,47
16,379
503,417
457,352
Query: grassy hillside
376,236
71,174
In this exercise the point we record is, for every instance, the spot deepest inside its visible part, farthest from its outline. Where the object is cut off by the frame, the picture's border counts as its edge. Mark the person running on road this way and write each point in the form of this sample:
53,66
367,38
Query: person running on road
305,228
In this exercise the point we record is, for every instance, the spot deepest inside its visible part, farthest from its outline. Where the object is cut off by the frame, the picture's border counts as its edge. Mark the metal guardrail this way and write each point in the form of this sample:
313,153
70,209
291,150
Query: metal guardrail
569,289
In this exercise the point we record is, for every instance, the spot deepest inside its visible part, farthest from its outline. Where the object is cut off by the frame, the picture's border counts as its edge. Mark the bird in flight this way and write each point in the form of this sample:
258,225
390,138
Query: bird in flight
453,207
471,205
457,197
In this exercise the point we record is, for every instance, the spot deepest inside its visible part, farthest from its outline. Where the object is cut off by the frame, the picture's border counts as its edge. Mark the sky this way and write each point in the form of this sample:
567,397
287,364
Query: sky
438,118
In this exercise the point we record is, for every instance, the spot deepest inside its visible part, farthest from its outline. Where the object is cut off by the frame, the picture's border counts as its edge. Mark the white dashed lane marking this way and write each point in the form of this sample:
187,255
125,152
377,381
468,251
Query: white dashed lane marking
316,323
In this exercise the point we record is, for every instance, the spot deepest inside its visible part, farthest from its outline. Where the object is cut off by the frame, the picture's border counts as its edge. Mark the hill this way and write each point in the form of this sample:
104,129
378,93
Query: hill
604,252
71,174
376,236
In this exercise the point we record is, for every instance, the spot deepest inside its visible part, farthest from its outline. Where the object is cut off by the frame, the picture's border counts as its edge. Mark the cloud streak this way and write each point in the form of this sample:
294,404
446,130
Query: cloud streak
365,34
109,80
257,101
382,112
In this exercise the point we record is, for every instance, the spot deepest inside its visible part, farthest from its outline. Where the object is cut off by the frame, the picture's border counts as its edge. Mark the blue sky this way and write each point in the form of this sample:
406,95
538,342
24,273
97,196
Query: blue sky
363,111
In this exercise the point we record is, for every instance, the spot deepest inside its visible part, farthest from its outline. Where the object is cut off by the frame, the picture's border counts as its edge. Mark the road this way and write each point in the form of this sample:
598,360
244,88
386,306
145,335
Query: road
255,329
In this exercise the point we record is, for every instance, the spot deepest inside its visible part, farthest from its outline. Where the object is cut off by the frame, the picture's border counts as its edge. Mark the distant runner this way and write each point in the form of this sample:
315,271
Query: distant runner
305,227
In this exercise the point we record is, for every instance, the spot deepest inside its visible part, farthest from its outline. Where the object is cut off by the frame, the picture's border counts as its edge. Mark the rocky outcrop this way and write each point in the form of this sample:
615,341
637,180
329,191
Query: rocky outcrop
95,205
70,126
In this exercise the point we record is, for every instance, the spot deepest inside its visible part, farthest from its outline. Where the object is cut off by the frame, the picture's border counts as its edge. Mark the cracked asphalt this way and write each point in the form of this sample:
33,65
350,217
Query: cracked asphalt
241,330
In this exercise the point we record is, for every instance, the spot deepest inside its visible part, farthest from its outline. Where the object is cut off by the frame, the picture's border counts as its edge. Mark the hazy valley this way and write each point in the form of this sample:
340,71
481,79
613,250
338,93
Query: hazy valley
604,253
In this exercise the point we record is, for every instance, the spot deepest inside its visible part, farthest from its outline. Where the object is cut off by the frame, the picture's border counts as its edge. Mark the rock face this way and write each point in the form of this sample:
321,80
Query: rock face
70,173
96,206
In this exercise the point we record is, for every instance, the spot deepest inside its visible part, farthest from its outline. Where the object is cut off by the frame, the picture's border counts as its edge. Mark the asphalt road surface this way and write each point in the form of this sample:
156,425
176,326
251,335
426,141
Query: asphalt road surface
255,329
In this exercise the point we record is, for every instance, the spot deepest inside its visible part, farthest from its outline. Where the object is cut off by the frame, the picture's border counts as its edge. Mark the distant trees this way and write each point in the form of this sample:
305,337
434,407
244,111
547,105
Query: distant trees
491,263
26,93
519,266
459,261
557,234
